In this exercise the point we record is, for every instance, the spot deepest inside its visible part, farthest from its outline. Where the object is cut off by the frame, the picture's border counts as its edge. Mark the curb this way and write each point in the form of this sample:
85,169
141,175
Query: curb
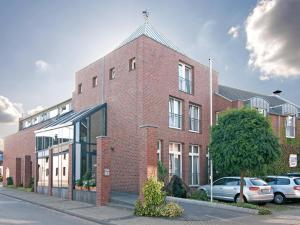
213,205
91,219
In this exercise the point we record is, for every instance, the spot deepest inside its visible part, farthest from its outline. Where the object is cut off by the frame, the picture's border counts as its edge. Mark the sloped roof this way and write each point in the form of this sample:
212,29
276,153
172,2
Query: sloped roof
69,118
234,94
148,30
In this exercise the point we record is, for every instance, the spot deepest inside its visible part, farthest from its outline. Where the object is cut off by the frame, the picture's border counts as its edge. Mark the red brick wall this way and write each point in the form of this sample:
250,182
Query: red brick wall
17,146
140,97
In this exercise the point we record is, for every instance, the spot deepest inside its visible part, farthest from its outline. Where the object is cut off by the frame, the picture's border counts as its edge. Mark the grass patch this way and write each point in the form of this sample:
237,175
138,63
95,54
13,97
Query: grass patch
19,188
261,210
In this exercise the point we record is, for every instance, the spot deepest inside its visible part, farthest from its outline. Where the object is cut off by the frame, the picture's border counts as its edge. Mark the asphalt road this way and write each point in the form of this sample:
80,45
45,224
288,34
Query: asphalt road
13,211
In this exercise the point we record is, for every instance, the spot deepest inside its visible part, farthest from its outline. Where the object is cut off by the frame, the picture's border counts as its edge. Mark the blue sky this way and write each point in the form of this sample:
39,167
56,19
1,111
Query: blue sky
43,44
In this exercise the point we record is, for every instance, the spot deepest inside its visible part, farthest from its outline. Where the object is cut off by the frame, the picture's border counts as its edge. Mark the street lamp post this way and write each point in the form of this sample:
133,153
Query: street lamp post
211,124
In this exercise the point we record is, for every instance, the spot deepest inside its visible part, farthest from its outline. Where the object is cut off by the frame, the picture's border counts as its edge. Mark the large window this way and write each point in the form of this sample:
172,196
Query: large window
60,170
175,161
43,172
290,126
185,78
194,165
194,118
175,113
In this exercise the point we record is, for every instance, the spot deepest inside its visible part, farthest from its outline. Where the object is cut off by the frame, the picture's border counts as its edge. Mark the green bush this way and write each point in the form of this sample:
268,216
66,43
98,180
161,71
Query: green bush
177,188
1,178
79,182
199,195
9,181
162,171
261,210
155,202
171,210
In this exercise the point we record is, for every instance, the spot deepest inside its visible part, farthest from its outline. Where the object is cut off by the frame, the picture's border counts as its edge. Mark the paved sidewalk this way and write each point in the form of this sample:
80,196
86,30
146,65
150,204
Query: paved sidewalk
117,216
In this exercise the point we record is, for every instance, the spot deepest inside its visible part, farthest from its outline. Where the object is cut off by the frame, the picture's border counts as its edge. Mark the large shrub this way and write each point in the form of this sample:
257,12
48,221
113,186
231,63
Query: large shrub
162,171
154,203
9,181
199,195
177,188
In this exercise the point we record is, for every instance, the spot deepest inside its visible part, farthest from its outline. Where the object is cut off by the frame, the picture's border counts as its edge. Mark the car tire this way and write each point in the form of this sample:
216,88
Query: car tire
279,198
237,198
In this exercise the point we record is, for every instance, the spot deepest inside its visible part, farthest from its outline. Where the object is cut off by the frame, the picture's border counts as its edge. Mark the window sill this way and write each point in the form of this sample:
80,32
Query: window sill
194,131
176,128
290,137
189,93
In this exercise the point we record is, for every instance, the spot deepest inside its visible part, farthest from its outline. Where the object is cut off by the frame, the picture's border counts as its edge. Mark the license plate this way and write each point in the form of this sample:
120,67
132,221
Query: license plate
265,190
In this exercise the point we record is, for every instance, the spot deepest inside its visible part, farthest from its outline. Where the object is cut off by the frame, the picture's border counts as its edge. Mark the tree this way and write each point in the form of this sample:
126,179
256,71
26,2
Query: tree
243,144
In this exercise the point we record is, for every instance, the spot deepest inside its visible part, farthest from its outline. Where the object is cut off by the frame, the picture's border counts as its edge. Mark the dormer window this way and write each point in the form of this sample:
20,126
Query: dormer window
290,126
132,64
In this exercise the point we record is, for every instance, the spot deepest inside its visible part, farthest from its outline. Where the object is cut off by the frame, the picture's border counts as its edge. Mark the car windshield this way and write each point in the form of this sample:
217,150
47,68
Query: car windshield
297,181
258,182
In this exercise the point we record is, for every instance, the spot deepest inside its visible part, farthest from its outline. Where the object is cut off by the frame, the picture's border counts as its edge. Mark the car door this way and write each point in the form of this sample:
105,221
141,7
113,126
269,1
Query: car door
218,187
230,188
272,182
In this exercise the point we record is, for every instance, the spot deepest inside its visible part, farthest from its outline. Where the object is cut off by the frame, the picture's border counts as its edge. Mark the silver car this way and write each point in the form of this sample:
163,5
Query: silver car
284,188
228,189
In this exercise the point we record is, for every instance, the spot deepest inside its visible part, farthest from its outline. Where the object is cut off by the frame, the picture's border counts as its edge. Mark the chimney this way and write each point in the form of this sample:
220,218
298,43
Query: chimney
277,92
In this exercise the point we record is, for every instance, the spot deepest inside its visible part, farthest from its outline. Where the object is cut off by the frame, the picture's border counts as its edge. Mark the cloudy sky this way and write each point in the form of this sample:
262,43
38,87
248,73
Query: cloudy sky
254,44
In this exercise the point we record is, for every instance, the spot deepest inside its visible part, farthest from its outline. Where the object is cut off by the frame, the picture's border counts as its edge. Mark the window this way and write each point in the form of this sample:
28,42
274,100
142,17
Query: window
132,64
175,113
232,182
95,81
64,155
112,73
175,162
47,172
262,111
56,172
194,164
185,78
79,88
64,171
282,181
194,117
220,182
217,117
290,127
159,142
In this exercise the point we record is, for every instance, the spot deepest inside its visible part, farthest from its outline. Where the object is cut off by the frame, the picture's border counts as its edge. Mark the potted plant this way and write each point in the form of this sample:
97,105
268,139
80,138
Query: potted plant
92,183
86,185
78,184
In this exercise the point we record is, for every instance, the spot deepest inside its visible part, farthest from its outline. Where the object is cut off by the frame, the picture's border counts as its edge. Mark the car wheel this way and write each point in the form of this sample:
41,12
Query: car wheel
279,198
237,198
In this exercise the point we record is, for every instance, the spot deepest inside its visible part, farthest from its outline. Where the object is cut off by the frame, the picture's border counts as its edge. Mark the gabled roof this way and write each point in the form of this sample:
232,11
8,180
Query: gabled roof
148,30
234,94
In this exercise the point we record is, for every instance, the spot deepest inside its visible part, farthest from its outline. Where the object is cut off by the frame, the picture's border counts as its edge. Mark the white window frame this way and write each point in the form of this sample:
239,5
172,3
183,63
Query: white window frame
262,111
192,154
293,125
159,144
176,153
184,78
192,107
172,119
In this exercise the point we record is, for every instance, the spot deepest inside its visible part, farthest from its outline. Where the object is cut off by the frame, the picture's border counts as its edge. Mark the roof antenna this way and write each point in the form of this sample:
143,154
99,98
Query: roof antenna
146,14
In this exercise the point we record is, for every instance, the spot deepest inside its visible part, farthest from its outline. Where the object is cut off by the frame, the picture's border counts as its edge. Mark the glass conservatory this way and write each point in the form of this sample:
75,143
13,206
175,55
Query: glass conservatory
78,130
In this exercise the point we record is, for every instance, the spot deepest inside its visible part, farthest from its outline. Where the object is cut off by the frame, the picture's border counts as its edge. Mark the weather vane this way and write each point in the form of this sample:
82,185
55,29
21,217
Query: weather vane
146,14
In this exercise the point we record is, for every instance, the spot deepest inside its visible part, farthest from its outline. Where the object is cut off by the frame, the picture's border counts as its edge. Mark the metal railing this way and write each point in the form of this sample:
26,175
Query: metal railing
175,120
185,85
194,124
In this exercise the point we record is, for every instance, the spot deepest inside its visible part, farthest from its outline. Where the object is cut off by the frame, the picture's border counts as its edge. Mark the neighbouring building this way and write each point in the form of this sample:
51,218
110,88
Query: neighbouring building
144,101
1,163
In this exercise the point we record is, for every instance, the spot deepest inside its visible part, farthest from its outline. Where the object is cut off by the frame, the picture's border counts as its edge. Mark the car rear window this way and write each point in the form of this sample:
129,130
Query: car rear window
297,181
258,182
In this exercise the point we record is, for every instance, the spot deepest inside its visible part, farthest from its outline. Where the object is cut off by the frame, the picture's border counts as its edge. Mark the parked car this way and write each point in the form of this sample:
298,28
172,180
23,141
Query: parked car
228,188
293,174
284,187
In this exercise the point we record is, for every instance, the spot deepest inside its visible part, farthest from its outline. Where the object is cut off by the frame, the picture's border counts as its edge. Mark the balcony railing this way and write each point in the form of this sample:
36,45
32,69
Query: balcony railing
194,124
185,85
175,120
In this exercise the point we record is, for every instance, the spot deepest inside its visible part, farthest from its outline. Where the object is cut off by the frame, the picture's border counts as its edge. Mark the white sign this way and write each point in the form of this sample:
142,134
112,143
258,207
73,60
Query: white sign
293,160
106,172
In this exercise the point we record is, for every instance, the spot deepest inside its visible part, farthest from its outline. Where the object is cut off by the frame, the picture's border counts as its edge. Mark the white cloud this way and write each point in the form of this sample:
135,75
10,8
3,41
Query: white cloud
273,38
35,110
9,111
234,31
42,66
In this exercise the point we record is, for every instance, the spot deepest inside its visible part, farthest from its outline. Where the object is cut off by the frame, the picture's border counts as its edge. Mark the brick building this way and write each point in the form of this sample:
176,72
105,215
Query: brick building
145,101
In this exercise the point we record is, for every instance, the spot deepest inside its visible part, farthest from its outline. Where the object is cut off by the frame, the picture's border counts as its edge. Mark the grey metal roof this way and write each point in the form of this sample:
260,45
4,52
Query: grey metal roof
238,94
69,118
148,30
